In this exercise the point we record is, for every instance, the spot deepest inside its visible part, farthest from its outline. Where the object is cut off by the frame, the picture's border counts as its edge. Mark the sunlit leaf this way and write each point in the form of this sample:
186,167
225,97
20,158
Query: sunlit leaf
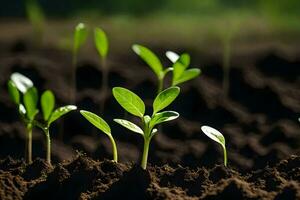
13,92
21,82
59,112
187,75
101,42
173,57
129,101
80,36
129,125
165,98
163,117
97,121
47,104
150,58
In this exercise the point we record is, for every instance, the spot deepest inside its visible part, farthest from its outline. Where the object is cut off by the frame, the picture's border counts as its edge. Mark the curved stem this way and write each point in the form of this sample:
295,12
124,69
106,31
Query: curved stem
225,156
28,144
115,151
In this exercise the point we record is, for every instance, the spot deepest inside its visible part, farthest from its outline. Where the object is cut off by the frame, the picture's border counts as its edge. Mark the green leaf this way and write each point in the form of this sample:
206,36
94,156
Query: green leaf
163,117
97,121
187,75
35,14
180,66
13,92
47,104
129,125
21,82
30,102
129,101
150,58
213,134
59,112
80,36
173,57
165,98
101,42
184,59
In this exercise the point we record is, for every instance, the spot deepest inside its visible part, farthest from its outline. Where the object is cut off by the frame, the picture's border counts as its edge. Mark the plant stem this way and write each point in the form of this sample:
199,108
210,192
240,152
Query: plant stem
28,144
145,153
225,156
73,78
115,151
48,145
160,85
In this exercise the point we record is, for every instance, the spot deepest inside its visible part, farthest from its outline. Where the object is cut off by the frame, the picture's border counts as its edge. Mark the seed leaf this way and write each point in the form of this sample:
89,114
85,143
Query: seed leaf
21,82
97,121
101,42
80,36
214,135
187,75
22,110
129,101
59,112
129,125
173,57
163,117
13,92
30,102
165,98
47,104
150,58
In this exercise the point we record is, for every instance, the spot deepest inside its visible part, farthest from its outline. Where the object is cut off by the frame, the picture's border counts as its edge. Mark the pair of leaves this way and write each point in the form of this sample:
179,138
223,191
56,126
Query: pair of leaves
150,58
180,64
101,42
80,36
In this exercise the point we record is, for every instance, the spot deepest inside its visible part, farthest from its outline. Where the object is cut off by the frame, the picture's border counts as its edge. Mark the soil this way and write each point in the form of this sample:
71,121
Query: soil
259,119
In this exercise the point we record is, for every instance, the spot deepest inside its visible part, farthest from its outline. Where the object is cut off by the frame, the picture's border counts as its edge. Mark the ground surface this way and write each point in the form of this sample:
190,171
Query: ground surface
259,120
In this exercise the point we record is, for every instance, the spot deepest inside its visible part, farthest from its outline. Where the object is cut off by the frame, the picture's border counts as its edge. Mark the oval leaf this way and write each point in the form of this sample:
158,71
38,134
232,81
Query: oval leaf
21,82
214,135
150,58
13,92
129,101
163,117
101,42
30,102
97,121
47,104
165,98
129,125
80,36
187,75
59,112
173,57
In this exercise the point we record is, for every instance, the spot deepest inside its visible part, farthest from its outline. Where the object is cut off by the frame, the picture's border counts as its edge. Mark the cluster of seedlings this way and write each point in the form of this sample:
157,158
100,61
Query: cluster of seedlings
25,96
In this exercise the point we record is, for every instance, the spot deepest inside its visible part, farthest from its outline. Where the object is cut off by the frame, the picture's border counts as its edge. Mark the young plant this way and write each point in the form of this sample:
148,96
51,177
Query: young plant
102,45
217,137
49,116
99,123
135,106
80,35
25,96
36,17
180,64
154,63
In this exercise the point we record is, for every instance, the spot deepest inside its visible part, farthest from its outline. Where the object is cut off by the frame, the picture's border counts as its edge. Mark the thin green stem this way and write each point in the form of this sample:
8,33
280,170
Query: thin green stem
225,156
160,85
28,144
48,145
145,153
115,151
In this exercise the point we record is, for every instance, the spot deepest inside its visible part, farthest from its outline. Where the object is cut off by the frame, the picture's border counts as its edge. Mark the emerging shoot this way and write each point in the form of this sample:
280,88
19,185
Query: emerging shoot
217,137
99,123
135,106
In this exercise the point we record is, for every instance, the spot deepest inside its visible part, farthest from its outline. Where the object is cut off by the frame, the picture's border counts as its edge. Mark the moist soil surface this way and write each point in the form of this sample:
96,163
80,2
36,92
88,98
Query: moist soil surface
258,117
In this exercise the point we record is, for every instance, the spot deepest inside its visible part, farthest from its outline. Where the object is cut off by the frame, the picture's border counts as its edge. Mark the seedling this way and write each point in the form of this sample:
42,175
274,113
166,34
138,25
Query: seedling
25,96
180,64
36,17
99,123
102,45
80,35
133,104
49,116
217,137
154,63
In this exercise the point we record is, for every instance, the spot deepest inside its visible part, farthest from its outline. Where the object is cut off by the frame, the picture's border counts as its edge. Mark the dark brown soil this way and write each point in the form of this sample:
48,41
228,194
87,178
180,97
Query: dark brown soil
259,119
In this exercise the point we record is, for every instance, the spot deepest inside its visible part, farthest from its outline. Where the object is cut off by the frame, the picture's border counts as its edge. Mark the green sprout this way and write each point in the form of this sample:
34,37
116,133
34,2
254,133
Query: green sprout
133,104
80,35
154,63
180,64
217,137
36,17
49,116
99,123
25,96
102,45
